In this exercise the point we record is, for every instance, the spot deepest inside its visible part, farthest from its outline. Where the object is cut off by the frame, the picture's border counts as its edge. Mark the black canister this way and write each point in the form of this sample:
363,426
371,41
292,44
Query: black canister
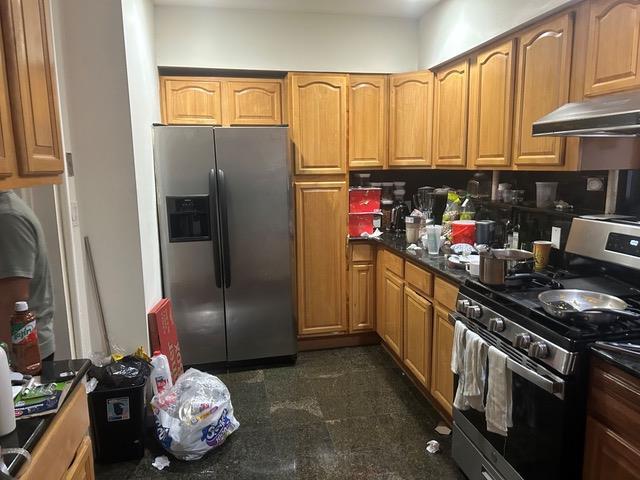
485,232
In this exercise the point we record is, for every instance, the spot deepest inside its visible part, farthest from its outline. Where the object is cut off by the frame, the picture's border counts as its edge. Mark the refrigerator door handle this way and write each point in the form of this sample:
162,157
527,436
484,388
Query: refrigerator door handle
224,225
213,207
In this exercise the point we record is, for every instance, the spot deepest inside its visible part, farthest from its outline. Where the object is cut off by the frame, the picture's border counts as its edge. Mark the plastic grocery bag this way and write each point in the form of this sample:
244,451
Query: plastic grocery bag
194,416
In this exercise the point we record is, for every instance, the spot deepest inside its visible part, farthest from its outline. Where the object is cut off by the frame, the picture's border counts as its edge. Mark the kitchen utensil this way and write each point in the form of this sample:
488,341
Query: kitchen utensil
546,194
412,227
433,239
463,231
473,266
495,265
485,231
541,251
626,348
566,303
399,211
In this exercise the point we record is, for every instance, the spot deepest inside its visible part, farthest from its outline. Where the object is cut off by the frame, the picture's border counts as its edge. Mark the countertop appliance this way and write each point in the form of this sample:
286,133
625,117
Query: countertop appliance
615,115
224,212
548,358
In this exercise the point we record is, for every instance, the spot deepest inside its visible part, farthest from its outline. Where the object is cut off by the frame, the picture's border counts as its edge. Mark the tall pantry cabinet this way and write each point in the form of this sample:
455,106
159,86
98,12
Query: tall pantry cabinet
318,131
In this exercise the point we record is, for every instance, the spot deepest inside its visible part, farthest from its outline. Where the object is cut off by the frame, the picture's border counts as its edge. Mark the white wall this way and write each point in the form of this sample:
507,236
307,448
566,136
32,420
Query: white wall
452,27
97,121
265,40
144,101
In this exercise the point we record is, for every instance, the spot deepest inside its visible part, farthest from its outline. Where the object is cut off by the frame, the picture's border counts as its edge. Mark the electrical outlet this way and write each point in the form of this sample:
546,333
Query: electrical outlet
595,184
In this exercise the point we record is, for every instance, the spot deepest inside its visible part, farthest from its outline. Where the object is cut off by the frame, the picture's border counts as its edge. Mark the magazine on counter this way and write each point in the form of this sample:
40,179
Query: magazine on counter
35,407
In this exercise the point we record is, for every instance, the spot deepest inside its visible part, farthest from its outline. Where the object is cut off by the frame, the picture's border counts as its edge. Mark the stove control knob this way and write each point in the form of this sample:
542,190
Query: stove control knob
538,350
474,311
462,305
522,340
496,324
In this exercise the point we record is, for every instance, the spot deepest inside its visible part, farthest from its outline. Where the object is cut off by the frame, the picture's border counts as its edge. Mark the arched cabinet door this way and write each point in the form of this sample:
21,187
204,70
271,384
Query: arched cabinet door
367,121
191,101
450,115
318,106
491,107
253,102
613,47
544,68
410,119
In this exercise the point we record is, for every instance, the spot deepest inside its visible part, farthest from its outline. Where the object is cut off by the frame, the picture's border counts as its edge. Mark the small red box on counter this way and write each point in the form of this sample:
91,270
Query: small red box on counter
360,223
364,200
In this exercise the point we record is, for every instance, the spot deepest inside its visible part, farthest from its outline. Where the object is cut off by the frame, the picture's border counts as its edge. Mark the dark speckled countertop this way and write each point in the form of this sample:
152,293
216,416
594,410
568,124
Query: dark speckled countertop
435,263
627,363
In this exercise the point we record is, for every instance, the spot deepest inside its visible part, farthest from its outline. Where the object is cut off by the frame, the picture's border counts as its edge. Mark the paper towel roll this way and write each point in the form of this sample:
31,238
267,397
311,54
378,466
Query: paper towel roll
7,411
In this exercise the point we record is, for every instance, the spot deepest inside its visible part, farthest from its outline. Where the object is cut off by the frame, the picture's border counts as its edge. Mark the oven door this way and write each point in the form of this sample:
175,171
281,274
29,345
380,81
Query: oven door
544,442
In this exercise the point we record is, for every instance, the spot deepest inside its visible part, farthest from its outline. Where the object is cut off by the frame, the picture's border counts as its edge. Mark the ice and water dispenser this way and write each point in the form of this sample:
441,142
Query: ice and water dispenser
188,218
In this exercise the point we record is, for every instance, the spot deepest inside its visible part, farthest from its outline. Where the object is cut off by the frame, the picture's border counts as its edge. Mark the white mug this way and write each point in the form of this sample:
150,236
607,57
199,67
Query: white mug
473,269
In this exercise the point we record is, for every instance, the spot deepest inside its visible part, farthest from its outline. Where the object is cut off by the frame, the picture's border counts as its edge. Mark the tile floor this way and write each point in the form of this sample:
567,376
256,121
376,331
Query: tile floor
337,414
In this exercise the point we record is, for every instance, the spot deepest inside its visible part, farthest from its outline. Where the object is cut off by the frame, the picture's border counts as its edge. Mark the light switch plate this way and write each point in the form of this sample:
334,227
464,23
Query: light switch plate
556,233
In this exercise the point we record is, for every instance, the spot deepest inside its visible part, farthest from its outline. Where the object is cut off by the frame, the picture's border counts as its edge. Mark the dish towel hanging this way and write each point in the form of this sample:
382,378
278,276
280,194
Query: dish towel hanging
457,350
475,361
498,406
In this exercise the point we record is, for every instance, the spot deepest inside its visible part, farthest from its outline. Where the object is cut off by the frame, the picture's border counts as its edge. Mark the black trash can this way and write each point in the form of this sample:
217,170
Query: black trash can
117,422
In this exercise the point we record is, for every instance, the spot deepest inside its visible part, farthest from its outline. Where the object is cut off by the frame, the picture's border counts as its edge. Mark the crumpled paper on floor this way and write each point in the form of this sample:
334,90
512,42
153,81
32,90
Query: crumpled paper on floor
161,462
433,446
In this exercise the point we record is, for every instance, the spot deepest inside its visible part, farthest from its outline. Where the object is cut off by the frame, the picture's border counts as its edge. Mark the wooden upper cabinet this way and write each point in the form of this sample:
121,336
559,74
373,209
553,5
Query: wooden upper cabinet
613,47
544,67
450,115
253,102
7,149
410,119
191,101
321,211
367,121
32,84
491,107
319,122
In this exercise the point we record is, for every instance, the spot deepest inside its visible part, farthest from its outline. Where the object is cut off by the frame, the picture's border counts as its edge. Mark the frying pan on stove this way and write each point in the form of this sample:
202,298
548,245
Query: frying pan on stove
584,304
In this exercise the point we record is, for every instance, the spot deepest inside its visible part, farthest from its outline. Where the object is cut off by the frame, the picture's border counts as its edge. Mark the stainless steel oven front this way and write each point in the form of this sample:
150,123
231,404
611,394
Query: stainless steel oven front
547,423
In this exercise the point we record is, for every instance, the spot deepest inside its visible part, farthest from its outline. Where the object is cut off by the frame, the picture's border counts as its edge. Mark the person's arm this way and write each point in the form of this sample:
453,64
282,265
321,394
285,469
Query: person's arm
17,263
12,290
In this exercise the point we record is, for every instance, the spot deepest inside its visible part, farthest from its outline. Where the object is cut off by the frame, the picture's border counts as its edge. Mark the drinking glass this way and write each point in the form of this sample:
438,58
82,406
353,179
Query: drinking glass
433,239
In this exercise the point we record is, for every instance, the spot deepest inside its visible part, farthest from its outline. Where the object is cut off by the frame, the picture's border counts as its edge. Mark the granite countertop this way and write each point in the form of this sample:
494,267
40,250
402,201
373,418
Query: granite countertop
627,363
29,430
435,263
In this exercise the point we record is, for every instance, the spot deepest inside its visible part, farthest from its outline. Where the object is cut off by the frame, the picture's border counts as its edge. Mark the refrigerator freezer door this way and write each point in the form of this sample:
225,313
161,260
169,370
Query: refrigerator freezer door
253,165
187,214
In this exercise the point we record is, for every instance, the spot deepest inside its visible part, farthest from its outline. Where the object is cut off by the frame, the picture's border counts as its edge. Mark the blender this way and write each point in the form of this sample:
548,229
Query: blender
438,204
423,201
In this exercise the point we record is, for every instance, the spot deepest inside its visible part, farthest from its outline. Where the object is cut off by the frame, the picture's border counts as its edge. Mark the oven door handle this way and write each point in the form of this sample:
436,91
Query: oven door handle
552,386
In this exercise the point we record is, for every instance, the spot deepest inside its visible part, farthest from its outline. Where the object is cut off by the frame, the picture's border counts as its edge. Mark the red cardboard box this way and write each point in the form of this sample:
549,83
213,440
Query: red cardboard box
164,337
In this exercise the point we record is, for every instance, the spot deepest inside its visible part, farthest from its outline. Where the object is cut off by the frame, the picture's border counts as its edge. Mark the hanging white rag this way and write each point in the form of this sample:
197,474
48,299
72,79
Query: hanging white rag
475,361
457,363
457,351
498,406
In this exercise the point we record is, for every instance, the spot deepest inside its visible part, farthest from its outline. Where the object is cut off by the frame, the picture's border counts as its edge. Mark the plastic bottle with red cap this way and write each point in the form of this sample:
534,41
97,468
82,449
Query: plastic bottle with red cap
160,373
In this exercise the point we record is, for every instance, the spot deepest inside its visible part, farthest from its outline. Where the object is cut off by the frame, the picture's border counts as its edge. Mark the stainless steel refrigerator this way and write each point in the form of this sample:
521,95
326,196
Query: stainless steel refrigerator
224,210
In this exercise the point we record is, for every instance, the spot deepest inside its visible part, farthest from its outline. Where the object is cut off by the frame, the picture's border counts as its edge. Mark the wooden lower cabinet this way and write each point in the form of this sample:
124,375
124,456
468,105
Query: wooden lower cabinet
82,466
321,209
393,291
362,297
380,293
441,375
418,326
612,438
608,455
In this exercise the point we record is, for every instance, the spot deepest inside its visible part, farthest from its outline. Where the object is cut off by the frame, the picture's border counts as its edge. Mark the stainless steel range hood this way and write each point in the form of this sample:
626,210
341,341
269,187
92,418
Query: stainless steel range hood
616,115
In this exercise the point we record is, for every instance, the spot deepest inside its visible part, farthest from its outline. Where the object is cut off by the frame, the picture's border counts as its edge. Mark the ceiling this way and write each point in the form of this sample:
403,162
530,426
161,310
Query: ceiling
386,8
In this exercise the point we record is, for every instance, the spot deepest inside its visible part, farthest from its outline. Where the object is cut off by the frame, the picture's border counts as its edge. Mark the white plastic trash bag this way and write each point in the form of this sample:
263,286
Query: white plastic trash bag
194,416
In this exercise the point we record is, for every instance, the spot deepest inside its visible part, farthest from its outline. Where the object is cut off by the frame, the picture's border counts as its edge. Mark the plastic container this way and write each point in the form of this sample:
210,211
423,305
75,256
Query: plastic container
412,228
463,231
160,373
546,194
24,340
117,422
360,223
364,200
